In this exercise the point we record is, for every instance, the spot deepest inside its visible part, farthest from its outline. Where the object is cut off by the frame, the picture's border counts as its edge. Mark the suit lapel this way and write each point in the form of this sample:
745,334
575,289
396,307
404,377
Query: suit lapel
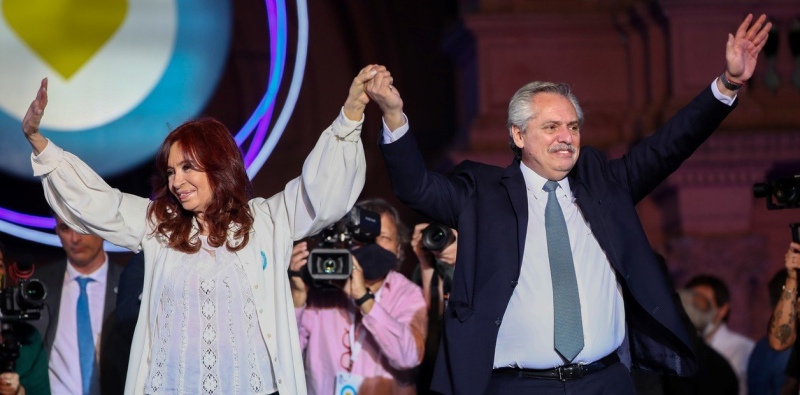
112,284
53,278
514,183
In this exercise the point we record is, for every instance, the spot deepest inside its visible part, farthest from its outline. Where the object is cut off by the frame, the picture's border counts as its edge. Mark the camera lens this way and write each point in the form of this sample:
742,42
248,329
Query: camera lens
32,292
436,237
330,266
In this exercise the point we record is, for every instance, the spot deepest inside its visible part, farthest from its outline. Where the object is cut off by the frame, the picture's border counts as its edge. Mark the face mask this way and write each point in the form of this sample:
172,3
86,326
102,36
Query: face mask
375,261
701,316
711,327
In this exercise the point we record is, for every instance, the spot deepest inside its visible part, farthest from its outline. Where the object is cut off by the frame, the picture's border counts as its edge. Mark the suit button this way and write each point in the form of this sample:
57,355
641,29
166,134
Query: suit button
514,283
497,323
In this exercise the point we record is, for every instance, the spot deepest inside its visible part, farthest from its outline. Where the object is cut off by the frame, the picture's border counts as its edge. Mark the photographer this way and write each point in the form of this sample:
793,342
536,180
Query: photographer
436,265
30,375
436,249
370,333
783,323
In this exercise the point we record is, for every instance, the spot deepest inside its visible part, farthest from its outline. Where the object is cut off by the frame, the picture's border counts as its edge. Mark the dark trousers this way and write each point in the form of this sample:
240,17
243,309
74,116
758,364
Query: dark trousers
613,380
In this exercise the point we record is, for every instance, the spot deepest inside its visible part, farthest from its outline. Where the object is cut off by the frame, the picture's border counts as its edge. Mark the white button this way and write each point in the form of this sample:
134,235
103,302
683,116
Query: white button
280,381
269,335
260,310
256,287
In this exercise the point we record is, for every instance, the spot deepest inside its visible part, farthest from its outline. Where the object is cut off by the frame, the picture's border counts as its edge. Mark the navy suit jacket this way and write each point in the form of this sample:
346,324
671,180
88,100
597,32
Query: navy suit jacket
52,275
488,206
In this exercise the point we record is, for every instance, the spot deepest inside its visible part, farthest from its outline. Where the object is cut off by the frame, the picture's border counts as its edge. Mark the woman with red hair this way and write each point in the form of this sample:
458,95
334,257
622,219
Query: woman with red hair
216,313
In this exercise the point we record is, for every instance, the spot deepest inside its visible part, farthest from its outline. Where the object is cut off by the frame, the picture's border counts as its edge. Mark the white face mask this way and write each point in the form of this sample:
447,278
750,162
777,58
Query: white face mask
710,327
701,312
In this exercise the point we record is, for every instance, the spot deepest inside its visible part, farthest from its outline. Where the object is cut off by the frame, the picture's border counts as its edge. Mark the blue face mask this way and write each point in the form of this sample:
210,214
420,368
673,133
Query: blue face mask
375,261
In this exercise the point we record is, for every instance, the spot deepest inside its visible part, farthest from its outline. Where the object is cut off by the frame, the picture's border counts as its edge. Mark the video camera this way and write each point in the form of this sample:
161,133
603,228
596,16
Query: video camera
331,259
21,299
786,194
785,191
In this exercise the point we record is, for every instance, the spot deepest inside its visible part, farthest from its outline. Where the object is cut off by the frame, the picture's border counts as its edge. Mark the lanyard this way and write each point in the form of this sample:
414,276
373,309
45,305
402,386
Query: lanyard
357,344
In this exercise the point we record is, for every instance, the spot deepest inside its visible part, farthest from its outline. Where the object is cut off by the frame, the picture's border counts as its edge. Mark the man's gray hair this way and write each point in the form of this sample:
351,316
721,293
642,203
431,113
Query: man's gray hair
520,111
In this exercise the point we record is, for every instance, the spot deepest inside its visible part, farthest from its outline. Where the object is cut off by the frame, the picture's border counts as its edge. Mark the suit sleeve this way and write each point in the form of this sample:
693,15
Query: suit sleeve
653,159
436,195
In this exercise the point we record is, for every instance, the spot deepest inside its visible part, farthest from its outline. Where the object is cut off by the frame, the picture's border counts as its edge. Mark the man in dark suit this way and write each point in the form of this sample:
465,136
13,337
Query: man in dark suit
86,262
554,272
115,352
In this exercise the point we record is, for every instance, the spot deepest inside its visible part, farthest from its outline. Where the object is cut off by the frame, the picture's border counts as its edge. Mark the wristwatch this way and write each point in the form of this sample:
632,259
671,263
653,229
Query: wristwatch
367,296
729,84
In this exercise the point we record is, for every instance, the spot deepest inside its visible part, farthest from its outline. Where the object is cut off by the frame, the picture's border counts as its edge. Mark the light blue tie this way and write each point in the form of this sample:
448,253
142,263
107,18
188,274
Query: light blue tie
566,304
85,337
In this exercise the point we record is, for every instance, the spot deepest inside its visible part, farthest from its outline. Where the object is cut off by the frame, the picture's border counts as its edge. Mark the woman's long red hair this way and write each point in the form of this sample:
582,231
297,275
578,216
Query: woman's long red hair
209,145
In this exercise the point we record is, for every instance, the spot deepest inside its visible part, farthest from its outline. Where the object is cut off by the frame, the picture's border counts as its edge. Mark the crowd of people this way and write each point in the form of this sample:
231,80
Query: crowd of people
545,282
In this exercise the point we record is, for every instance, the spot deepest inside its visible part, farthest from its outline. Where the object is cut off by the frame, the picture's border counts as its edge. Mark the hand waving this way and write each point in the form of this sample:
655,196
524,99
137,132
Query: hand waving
741,52
30,124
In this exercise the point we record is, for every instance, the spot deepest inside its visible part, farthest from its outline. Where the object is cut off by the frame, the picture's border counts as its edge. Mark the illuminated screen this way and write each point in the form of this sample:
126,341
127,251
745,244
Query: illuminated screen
119,71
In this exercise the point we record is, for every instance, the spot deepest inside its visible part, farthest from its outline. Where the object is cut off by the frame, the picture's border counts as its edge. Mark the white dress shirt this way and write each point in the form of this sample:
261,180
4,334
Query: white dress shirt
736,349
526,333
65,366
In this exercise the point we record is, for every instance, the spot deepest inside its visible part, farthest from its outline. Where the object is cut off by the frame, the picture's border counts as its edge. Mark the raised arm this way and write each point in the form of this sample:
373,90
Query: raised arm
654,158
333,173
76,193
783,323
30,124
438,196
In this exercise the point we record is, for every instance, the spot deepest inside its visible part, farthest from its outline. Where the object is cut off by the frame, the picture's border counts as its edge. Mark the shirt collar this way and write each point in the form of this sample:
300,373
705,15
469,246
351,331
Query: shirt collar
98,275
534,182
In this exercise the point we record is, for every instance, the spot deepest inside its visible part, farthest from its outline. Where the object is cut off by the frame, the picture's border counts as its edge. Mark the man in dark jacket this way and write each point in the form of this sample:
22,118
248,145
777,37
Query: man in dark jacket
554,270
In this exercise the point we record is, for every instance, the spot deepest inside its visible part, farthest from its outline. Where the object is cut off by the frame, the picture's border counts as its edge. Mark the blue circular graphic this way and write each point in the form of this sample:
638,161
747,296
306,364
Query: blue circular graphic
200,51
191,77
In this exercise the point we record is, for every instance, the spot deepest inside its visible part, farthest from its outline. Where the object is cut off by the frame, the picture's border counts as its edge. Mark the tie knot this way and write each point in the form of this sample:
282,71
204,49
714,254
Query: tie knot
550,186
82,281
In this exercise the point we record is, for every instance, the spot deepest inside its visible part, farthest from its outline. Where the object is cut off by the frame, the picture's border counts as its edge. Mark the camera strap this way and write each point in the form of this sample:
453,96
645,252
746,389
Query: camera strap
357,343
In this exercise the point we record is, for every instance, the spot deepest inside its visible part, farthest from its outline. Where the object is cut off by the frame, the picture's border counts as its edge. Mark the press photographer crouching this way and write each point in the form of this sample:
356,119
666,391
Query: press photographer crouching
368,332
23,361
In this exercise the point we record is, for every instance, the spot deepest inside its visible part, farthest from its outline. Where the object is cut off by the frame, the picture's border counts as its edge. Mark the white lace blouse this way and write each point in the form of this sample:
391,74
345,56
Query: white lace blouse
207,339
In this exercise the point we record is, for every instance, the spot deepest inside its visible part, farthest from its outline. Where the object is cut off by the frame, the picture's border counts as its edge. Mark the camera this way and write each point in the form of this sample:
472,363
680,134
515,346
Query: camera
786,194
331,259
783,192
330,264
20,300
24,301
437,237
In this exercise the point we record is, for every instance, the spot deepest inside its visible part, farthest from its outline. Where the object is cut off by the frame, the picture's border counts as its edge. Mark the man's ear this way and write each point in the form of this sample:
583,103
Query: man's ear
722,313
517,134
